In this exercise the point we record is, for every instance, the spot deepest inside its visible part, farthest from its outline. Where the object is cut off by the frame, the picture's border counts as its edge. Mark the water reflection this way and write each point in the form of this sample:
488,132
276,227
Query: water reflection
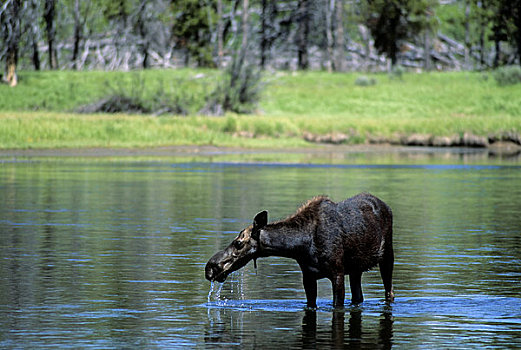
110,254
313,329
353,337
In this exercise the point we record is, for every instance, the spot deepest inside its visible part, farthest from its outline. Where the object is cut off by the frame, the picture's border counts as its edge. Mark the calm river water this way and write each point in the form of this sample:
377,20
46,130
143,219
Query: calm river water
110,253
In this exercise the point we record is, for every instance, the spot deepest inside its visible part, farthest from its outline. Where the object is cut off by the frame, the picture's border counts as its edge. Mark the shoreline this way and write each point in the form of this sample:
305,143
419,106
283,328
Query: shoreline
506,149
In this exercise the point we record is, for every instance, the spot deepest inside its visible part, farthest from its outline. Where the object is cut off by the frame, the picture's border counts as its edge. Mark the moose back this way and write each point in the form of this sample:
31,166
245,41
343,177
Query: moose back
327,239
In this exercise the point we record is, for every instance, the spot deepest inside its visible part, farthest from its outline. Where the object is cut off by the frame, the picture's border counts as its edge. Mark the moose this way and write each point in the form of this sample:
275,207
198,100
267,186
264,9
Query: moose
327,239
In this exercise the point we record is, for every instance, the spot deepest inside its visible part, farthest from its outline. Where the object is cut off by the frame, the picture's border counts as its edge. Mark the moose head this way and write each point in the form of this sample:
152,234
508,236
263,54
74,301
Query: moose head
243,248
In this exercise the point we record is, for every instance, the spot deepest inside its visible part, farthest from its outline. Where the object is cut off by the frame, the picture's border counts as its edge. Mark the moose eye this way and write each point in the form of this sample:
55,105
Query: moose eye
238,244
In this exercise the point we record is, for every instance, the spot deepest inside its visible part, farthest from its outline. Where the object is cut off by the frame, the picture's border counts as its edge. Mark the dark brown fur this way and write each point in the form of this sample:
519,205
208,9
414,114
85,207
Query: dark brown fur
327,239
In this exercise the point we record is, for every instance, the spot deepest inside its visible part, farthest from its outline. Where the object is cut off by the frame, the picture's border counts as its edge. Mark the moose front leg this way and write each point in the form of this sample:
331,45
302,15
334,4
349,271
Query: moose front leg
355,282
339,290
310,286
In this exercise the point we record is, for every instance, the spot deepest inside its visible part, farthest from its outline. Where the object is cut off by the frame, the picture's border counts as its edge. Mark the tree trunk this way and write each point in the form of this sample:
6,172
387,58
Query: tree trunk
497,46
10,65
264,34
364,35
339,36
302,34
36,55
330,5
467,34
220,50
483,26
245,24
12,38
268,31
143,33
49,17
77,34
394,59
517,34
427,51
33,18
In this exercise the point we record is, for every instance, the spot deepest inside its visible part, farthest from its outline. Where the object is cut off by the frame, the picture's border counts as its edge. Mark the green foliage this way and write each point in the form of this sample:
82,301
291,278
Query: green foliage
230,125
452,20
392,21
117,10
192,28
238,91
508,75
507,20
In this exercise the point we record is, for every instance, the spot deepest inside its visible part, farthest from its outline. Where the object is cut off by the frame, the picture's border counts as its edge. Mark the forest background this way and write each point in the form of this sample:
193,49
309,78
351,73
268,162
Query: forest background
247,41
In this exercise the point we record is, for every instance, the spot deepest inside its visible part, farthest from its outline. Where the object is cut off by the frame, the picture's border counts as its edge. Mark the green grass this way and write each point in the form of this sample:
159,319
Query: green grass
38,113
65,91
57,130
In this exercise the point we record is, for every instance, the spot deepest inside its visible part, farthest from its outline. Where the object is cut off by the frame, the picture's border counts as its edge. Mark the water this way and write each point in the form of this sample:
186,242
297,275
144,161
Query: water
110,253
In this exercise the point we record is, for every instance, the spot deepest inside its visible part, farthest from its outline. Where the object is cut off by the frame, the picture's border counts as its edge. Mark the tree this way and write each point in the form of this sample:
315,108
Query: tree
467,34
427,44
10,16
49,15
80,13
220,39
484,15
143,31
245,24
191,29
334,27
329,7
393,21
339,36
34,29
303,18
267,29
117,13
507,24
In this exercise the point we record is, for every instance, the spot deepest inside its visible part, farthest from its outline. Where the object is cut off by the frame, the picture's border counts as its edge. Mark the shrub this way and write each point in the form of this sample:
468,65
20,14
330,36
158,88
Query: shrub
397,72
238,91
140,97
508,75
115,103
230,125
364,80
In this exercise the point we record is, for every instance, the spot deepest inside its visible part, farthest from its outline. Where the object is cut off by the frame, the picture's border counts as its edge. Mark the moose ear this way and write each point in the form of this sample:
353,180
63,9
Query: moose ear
260,220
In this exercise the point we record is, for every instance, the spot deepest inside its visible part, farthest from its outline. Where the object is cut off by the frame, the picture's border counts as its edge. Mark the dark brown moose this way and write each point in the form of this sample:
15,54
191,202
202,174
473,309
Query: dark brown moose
327,239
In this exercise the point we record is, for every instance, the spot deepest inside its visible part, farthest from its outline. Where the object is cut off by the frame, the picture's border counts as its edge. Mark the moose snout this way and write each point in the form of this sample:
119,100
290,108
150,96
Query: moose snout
213,267
210,271
214,272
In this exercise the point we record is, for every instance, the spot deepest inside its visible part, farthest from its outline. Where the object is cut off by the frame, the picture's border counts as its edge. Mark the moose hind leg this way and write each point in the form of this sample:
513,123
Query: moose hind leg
339,289
386,271
355,282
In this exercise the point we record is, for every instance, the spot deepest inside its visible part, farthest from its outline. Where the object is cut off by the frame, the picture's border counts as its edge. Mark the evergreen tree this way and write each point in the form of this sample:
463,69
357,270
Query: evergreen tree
192,29
507,24
394,21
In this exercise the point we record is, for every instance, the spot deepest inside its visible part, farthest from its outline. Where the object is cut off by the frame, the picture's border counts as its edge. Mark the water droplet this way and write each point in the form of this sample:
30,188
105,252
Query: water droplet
211,291
218,295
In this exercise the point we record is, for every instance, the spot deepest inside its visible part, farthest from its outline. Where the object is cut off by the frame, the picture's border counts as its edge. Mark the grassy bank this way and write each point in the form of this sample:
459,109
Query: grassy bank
40,112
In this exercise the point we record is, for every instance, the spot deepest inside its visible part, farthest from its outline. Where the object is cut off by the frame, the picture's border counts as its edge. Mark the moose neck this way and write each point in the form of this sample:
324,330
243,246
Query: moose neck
284,240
